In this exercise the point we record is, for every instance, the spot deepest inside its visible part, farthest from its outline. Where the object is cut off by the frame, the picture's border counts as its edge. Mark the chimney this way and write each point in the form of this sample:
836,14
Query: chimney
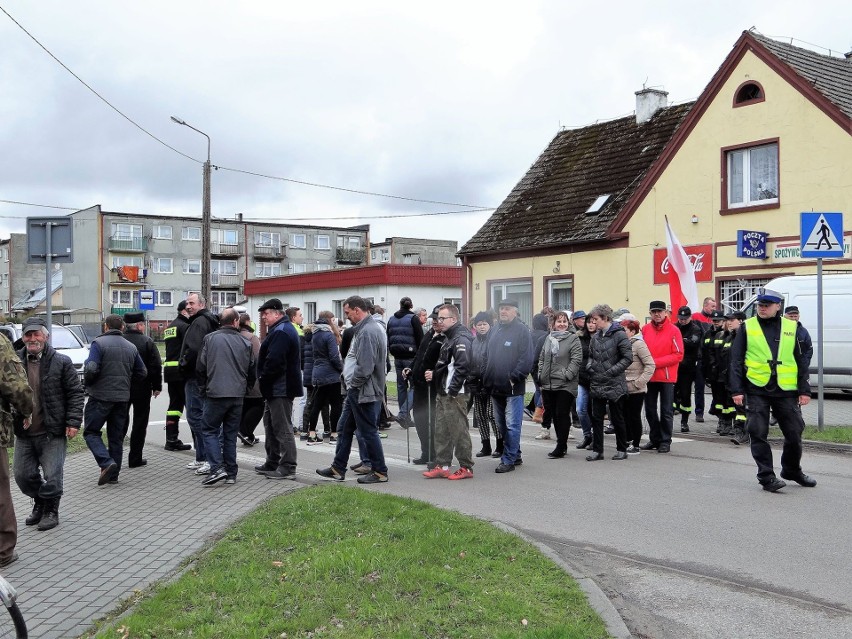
848,55
648,102
239,217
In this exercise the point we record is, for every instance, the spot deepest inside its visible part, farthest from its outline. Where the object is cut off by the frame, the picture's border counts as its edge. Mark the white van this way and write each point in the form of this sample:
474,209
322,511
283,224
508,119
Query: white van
801,291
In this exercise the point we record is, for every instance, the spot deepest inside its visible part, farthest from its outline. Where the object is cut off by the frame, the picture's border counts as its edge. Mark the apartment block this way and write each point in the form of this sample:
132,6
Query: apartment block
410,250
117,255
18,280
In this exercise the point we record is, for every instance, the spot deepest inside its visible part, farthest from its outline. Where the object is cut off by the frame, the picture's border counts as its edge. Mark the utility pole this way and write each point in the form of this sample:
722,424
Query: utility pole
205,216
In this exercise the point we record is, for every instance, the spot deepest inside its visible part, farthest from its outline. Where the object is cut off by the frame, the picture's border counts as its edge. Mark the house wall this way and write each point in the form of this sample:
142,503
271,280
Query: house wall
815,165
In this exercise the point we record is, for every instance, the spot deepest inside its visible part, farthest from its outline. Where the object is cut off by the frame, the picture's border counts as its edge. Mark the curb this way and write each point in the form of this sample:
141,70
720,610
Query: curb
809,444
597,599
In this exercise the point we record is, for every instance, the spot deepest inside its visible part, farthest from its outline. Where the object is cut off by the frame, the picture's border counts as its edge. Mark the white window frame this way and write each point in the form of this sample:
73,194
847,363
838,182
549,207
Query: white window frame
267,269
189,265
165,298
267,238
348,242
323,266
163,265
223,299
118,293
298,240
189,233
225,236
322,243
160,233
563,284
127,260
294,267
124,231
518,289
223,267
745,153
309,311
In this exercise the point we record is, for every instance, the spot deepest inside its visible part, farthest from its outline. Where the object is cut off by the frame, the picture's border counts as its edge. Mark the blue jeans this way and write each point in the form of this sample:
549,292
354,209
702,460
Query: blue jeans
222,417
364,418
660,424
508,414
404,390
583,410
45,451
195,417
114,415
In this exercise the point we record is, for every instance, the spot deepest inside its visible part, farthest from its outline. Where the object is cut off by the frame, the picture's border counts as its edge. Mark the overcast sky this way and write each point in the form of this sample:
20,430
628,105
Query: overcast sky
446,101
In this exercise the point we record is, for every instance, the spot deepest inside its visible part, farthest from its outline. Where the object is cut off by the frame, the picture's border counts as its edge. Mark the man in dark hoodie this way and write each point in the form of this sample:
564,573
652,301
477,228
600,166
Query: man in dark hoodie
404,336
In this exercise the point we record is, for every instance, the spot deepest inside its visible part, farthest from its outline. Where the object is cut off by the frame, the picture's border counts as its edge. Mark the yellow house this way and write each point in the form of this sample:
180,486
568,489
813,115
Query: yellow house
769,138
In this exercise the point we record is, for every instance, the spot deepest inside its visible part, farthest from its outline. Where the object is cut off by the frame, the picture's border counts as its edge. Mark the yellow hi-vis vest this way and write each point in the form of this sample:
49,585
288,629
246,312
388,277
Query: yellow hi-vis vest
758,356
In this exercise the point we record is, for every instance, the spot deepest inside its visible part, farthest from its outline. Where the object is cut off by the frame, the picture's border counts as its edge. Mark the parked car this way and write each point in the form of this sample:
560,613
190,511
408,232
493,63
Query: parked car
62,339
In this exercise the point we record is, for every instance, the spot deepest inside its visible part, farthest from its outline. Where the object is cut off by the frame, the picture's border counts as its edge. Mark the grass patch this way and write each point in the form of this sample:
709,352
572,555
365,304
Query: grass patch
835,434
339,562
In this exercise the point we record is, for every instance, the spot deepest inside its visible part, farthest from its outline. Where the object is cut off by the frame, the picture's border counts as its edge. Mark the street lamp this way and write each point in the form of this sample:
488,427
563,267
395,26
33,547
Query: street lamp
205,216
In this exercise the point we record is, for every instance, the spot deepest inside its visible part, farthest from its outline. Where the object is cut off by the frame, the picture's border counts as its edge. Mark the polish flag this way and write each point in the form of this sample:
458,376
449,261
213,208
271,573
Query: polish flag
683,290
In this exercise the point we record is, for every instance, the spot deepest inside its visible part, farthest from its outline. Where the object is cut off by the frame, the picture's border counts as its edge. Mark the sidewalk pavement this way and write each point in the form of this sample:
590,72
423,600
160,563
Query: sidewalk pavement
116,539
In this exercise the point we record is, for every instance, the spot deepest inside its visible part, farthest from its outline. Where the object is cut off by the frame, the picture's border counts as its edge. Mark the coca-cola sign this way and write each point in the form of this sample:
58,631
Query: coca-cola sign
701,256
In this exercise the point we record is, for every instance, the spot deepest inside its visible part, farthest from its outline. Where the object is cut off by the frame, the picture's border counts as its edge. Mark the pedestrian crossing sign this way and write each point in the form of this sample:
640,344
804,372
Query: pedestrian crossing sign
822,235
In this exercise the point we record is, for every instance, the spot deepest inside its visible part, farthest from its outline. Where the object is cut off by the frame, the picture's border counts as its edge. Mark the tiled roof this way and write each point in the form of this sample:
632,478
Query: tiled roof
829,75
548,206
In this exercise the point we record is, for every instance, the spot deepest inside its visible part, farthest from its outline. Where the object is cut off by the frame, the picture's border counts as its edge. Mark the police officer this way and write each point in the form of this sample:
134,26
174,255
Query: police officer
173,339
769,371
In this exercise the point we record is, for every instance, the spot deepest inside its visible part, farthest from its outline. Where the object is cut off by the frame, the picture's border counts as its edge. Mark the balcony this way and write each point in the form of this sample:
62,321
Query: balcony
128,244
269,252
130,276
121,310
350,256
220,248
225,281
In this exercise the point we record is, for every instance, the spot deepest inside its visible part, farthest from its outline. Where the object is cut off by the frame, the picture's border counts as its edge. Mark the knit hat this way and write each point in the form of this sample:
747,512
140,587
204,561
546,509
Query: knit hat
482,316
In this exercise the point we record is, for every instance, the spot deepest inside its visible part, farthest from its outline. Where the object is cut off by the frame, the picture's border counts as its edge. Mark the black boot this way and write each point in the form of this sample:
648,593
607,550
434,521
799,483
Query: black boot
684,424
486,448
172,437
51,515
587,441
37,514
498,449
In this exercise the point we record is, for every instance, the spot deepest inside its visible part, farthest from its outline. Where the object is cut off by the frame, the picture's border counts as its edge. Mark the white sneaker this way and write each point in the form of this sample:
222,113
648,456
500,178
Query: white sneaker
543,434
571,433
204,469
194,464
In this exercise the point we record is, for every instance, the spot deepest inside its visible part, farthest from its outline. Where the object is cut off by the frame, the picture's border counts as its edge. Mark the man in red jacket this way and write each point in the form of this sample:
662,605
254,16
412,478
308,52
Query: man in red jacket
666,345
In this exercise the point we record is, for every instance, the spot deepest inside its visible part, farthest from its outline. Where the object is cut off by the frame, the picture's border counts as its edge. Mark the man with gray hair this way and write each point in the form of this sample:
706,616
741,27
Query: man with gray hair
111,368
57,414
225,371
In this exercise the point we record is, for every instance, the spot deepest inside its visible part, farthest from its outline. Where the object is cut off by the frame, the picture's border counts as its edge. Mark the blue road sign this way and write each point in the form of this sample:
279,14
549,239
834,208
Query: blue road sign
146,300
822,235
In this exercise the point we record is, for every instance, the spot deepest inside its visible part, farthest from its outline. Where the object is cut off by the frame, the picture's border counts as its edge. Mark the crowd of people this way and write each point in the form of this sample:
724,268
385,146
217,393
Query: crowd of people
587,368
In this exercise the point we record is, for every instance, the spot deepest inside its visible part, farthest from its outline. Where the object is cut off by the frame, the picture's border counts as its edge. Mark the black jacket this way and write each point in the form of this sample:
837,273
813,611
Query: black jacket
150,355
426,358
404,334
693,336
61,393
202,324
173,339
509,359
112,367
610,353
456,351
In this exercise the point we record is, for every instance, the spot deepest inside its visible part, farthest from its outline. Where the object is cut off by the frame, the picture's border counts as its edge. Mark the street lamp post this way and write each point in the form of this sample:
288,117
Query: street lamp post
205,217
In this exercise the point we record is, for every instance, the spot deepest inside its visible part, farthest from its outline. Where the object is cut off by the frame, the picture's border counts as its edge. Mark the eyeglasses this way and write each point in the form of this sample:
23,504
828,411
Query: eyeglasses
444,319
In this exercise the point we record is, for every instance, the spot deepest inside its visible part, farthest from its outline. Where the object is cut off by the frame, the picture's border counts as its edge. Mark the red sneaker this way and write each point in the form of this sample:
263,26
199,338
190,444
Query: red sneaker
462,473
436,473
